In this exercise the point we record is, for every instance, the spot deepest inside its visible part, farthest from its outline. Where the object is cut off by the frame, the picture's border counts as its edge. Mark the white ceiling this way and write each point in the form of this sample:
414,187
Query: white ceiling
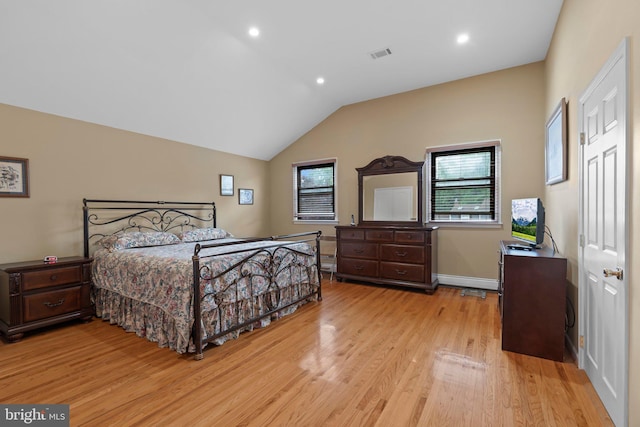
188,71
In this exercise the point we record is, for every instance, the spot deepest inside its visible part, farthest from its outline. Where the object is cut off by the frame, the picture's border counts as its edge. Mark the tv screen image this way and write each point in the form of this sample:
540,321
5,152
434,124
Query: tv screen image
527,220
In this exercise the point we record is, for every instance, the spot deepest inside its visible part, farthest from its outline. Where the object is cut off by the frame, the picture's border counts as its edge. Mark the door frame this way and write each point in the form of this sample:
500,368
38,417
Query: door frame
620,54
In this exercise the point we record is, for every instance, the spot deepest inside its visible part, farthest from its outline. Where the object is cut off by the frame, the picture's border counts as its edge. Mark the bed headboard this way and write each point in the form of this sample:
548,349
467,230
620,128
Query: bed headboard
106,217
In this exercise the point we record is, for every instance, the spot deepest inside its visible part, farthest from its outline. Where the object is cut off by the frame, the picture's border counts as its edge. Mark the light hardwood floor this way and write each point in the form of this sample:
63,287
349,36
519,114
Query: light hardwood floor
364,356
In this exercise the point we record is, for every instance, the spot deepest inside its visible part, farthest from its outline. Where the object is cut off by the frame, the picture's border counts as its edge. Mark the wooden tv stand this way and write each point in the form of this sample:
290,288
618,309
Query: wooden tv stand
532,300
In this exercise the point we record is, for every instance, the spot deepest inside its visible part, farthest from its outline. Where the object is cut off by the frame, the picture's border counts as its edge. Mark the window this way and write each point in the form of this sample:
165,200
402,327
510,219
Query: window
464,183
315,191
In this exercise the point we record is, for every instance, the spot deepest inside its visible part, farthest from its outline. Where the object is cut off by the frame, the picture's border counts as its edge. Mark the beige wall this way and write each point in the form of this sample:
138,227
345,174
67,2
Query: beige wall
506,105
586,35
70,160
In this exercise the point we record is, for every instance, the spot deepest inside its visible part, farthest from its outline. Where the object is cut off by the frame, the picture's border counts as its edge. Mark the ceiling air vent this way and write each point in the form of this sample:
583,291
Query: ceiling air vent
380,53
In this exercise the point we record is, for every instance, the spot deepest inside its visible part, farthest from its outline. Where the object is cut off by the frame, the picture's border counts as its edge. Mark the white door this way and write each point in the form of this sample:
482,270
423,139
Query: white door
603,225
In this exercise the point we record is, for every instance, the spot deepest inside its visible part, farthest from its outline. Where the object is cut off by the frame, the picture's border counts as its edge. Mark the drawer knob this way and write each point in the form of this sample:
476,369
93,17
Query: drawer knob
53,278
53,305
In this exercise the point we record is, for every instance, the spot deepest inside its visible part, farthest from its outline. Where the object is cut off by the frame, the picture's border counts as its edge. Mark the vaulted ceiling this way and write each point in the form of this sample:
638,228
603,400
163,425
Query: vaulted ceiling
188,70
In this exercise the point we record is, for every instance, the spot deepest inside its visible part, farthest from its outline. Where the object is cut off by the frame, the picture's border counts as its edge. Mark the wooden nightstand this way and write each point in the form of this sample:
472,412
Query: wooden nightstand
34,294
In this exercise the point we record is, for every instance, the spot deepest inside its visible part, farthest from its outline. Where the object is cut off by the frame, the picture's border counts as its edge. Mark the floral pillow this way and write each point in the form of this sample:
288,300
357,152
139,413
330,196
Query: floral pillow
138,239
200,234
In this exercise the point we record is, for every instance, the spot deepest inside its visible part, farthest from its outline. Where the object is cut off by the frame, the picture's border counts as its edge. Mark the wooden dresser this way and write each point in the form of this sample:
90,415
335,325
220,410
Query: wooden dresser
388,255
34,294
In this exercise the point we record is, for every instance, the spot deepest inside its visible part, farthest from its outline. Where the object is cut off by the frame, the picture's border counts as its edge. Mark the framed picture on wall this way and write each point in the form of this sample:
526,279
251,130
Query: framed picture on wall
226,185
245,196
556,145
14,177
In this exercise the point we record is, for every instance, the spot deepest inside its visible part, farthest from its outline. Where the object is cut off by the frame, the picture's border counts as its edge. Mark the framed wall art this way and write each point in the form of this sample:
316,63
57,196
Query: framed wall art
556,145
226,185
14,177
245,196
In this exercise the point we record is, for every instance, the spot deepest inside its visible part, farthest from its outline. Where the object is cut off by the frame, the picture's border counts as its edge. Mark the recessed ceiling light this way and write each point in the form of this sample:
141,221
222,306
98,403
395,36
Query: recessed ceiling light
254,32
463,38
320,80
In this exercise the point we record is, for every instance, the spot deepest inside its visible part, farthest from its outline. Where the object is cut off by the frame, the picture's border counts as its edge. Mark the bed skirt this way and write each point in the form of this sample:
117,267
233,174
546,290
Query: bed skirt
155,324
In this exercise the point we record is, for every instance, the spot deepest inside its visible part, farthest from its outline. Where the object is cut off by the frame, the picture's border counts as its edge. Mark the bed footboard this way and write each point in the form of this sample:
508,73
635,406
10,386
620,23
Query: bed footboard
250,286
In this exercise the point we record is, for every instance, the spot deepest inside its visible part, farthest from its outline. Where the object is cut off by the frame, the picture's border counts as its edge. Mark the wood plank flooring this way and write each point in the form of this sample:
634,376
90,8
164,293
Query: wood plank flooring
364,356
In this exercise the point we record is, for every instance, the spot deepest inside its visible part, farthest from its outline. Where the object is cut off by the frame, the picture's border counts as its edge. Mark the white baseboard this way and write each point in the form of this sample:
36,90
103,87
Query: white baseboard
468,282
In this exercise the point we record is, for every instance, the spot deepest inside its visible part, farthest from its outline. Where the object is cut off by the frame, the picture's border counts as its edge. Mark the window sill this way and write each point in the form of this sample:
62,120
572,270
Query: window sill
316,221
464,224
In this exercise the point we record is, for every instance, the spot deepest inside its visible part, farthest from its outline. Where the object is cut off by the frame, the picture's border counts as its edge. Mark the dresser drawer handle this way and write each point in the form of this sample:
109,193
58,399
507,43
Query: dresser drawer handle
358,267
358,251
53,278
57,304
401,272
401,254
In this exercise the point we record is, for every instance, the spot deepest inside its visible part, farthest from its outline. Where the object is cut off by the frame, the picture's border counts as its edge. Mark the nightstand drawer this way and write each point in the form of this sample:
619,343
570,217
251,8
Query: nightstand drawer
51,277
49,304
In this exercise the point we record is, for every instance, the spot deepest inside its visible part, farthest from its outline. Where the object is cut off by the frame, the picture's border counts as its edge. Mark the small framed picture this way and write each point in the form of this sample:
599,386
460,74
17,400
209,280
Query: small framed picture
14,177
556,145
226,185
245,196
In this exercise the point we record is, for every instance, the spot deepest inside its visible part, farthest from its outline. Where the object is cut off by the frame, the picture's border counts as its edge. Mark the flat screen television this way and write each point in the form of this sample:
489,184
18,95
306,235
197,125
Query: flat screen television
527,221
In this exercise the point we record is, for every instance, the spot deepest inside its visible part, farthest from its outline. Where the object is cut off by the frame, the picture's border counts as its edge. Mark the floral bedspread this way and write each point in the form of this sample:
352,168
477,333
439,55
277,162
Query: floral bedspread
149,291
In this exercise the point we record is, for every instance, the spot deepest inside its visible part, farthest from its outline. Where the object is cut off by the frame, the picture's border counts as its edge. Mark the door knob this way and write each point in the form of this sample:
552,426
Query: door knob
617,273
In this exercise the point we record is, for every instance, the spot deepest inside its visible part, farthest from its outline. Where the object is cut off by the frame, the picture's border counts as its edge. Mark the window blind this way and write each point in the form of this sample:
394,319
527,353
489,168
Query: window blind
315,192
463,184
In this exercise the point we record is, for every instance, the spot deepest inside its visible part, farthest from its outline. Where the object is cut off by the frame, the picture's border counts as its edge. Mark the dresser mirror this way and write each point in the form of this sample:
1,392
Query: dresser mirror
391,192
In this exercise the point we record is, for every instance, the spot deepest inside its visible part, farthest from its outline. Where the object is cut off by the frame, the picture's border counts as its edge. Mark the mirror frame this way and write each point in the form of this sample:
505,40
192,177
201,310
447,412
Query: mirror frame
390,165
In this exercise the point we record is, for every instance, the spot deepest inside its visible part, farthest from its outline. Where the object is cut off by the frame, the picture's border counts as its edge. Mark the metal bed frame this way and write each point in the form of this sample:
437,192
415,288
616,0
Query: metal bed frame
106,217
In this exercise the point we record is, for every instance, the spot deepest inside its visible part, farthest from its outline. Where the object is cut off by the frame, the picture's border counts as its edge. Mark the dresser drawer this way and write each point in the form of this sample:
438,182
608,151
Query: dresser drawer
409,237
51,277
402,253
400,271
359,267
352,234
49,304
379,235
359,250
